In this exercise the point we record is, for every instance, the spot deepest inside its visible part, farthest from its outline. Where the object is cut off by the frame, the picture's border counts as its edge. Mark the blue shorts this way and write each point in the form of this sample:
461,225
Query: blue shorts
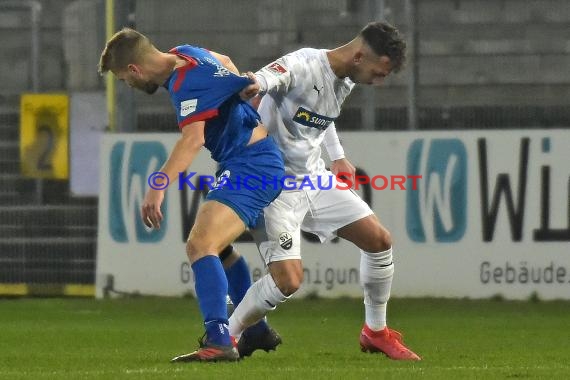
248,182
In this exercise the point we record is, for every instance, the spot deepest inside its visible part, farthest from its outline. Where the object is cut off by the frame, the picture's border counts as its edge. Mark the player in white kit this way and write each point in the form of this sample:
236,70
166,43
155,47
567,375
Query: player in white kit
302,96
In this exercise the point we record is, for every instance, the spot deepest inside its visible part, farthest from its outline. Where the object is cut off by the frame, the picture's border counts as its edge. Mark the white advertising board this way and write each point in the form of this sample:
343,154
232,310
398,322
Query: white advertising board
88,121
490,215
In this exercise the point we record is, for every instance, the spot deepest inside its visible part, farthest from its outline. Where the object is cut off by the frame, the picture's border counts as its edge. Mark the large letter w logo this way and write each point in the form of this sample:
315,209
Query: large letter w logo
131,163
437,211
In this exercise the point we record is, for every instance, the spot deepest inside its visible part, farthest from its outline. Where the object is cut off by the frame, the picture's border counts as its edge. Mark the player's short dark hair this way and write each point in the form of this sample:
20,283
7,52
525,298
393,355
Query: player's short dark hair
384,39
123,48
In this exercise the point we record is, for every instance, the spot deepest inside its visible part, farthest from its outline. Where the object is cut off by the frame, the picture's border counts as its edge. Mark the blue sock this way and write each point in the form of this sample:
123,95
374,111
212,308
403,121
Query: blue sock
211,289
238,280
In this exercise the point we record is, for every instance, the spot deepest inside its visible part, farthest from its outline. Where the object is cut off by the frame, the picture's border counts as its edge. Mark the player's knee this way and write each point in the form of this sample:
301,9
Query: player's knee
384,239
381,240
193,250
289,283
289,288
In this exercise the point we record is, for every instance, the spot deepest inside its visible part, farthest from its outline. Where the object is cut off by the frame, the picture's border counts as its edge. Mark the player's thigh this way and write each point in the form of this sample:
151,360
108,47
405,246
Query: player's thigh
216,226
278,234
367,234
333,209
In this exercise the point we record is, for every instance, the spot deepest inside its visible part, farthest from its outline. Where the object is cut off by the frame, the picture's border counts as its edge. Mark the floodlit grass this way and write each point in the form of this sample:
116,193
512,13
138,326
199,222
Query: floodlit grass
135,338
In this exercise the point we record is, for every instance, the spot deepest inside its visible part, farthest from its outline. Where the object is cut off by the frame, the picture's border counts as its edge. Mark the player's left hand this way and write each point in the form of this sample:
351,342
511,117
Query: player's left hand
343,166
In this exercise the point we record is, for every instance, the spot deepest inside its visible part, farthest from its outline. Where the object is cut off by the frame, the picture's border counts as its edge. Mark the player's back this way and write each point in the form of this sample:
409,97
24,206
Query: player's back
204,90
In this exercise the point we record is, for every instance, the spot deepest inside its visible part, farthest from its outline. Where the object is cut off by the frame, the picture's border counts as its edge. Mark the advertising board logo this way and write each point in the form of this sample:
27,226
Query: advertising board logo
130,165
438,210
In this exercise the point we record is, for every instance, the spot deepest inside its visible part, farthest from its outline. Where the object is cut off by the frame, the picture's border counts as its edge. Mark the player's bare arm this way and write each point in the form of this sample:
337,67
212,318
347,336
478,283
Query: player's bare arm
339,163
184,152
226,62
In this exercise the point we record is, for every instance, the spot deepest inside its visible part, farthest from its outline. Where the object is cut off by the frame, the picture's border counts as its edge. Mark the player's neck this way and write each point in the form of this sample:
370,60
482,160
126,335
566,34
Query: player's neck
337,63
340,59
165,63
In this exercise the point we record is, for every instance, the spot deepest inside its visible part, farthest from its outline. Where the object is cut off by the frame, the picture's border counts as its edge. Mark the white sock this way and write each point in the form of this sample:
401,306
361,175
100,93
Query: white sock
376,273
260,298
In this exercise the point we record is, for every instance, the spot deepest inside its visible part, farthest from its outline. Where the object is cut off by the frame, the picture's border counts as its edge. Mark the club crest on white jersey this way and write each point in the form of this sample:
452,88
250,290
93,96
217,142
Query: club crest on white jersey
285,240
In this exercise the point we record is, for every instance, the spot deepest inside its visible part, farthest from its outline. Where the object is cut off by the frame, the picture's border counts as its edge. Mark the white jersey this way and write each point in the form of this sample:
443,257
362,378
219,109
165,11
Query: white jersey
303,98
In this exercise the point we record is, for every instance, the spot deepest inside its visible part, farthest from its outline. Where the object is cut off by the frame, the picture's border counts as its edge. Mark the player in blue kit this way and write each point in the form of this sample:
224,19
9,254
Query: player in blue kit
204,87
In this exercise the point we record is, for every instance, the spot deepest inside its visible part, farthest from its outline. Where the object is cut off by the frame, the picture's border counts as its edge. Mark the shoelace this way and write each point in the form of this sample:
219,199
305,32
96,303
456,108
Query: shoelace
395,334
202,341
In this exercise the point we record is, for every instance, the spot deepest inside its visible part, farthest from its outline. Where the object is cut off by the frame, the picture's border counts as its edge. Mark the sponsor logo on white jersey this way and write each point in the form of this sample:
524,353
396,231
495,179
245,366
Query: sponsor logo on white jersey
312,119
188,106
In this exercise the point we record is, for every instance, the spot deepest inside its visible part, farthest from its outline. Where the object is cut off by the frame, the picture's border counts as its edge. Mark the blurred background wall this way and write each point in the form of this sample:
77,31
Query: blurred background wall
482,63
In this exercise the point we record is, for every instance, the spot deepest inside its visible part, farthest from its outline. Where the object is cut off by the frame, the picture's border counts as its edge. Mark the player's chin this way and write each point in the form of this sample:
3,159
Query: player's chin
362,80
150,88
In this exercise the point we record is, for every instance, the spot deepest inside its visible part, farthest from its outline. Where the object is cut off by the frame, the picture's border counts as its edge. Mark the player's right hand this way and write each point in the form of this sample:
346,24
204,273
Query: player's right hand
150,210
251,90
343,166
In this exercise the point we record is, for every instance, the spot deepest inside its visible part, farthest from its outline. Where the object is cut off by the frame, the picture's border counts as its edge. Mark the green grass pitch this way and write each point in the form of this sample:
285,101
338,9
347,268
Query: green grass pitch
135,338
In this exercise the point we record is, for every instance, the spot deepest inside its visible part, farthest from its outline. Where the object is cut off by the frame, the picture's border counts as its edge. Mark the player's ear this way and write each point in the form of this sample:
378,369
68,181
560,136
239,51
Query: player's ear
358,57
132,68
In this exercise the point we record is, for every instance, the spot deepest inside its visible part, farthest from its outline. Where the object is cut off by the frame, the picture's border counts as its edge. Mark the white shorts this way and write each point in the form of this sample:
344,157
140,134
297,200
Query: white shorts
321,212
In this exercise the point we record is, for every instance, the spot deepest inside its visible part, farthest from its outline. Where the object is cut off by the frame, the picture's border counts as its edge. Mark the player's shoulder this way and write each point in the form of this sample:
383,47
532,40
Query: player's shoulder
186,48
307,53
195,52
302,60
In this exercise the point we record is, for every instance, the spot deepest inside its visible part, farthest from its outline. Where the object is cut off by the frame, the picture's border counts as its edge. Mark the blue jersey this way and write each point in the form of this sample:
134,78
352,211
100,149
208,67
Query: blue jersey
204,90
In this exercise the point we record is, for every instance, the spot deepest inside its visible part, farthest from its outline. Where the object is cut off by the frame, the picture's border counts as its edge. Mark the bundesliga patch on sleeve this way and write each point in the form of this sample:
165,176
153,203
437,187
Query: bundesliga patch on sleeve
277,68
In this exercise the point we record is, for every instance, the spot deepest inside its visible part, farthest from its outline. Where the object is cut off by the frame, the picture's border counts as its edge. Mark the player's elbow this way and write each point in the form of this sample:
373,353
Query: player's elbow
193,141
198,143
